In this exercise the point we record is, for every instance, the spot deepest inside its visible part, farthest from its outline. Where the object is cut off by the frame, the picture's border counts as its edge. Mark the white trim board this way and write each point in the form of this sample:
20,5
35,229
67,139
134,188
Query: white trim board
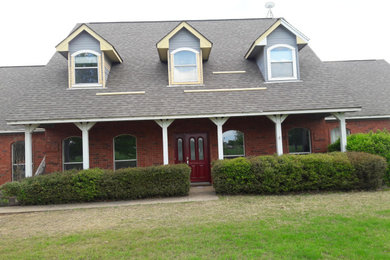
222,90
38,130
113,119
293,30
330,118
120,93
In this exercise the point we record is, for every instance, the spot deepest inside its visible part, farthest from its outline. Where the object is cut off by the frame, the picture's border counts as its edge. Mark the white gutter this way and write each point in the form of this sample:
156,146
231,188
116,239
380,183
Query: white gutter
359,117
115,119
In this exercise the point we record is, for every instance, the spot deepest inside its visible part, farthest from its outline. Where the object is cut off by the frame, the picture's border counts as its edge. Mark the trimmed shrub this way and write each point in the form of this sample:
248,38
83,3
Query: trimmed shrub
369,169
97,184
374,143
297,173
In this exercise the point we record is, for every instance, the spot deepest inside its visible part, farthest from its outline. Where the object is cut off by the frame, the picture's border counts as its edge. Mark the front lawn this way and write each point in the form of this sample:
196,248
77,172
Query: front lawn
334,225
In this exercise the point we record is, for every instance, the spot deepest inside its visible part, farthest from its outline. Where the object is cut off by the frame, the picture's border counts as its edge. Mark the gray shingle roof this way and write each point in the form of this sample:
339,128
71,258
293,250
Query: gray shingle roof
14,84
369,83
47,97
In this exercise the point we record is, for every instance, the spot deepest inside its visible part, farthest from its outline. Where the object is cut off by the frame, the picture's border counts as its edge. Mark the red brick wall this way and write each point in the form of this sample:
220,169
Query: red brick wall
259,138
148,134
361,126
6,141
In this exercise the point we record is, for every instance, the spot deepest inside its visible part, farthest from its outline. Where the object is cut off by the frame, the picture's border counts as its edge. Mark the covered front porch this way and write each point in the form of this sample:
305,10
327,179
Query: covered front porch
195,141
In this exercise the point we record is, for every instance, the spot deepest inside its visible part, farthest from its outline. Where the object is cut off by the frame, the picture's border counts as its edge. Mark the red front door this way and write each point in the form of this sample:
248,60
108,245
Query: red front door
193,149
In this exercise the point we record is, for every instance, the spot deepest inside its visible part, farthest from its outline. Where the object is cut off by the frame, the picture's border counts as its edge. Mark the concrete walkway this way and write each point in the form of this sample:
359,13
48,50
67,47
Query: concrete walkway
197,193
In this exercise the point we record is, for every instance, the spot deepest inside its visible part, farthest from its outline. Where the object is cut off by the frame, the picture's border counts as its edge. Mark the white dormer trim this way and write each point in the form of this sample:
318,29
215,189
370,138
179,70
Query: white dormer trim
263,42
295,31
85,51
301,39
294,61
184,49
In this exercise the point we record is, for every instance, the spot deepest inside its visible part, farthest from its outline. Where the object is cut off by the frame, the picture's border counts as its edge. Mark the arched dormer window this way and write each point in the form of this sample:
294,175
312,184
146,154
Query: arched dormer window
86,68
281,62
185,66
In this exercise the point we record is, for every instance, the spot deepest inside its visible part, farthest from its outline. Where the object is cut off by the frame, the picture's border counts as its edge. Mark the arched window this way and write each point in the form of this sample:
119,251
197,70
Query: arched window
335,134
73,153
18,162
233,144
125,151
281,62
299,140
86,69
185,66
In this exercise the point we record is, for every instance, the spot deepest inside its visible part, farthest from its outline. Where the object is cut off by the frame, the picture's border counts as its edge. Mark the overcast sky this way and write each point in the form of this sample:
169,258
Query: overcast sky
338,30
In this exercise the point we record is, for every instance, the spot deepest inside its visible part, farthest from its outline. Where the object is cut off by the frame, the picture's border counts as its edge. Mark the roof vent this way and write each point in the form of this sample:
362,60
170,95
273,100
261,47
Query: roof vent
269,6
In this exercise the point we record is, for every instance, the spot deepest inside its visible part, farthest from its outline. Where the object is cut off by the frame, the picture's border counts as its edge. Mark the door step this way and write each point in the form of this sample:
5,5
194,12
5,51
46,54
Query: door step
194,184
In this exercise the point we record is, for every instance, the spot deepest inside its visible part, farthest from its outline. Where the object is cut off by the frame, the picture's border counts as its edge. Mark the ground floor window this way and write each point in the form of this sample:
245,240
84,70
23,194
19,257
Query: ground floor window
18,161
73,153
233,144
335,134
125,151
299,140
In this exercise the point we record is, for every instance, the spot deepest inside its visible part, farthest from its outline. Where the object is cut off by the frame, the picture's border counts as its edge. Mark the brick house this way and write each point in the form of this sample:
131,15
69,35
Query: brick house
132,94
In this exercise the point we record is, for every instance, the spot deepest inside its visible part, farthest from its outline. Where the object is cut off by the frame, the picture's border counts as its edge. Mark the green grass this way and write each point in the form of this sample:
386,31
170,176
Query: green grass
320,226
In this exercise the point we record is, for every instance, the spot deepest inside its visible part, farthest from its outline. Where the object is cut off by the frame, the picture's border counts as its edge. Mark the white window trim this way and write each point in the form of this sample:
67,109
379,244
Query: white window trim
12,160
63,153
288,144
129,160
197,53
294,61
82,85
243,144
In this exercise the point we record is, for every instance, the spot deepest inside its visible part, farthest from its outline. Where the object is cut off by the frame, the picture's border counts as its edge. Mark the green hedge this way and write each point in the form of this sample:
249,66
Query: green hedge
97,185
374,143
297,173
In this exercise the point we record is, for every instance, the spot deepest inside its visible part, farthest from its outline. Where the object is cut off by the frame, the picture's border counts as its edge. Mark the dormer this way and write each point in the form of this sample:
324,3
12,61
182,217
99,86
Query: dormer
276,52
89,56
184,49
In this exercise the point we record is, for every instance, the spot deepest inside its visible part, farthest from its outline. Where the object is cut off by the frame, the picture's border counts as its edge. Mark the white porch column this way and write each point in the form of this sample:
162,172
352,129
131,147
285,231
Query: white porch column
28,149
85,127
343,131
278,120
165,123
219,121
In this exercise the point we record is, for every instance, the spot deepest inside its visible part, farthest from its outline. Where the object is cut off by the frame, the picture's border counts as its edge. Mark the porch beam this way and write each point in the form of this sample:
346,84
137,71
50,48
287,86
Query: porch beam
343,131
164,124
28,153
85,127
278,120
219,122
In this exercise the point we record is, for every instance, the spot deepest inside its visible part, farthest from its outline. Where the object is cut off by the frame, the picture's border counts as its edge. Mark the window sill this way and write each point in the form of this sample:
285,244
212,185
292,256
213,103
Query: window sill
186,85
86,86
282,81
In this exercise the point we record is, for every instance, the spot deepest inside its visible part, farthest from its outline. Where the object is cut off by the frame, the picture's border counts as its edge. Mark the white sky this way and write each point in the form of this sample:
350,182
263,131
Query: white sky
338,29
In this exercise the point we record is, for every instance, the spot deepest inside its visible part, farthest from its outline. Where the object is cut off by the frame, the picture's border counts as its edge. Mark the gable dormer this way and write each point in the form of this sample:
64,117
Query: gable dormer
90,58
276,52
184,49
